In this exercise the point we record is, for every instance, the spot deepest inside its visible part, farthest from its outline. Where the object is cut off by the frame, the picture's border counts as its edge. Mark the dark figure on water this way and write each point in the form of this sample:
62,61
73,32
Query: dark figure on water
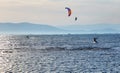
95,40
27,37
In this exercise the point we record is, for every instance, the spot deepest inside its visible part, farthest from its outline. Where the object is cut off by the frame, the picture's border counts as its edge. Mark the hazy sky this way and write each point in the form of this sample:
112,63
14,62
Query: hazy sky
53,11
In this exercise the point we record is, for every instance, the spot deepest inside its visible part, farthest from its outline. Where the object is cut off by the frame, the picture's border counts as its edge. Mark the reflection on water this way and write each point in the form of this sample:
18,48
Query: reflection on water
19,54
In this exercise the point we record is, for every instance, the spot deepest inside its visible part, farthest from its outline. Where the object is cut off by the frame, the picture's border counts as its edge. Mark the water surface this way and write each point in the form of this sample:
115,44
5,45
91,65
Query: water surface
59,54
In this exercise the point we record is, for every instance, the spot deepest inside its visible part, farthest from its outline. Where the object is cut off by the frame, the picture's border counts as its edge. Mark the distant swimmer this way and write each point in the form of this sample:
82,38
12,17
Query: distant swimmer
95,40
27,37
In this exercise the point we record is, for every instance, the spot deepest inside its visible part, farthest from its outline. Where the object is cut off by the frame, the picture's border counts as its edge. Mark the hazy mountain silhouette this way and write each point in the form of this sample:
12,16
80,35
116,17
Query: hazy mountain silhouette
30,28
94,28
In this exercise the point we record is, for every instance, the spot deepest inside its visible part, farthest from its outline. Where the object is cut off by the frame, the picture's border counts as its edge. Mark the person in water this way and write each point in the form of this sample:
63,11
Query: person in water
27,37
95,40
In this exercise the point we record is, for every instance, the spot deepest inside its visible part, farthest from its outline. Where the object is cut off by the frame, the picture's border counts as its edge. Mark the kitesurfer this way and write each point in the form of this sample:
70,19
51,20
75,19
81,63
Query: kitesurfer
27,37
95,40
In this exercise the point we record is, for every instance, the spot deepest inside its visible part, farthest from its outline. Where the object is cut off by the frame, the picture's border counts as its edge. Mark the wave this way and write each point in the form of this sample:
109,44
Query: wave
64,48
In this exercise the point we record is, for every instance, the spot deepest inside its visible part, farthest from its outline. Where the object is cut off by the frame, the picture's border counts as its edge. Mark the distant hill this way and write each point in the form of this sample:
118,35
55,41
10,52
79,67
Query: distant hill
28,28
94,28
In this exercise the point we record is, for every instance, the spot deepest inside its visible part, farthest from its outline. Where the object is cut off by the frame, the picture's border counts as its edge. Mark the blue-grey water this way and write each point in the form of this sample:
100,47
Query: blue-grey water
60,53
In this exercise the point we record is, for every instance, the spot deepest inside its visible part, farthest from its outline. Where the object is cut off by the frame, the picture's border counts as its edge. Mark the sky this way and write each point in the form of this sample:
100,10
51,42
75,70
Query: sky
53,12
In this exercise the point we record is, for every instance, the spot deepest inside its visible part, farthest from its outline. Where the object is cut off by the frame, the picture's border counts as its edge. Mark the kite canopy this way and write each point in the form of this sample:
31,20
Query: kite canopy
75,18
69,11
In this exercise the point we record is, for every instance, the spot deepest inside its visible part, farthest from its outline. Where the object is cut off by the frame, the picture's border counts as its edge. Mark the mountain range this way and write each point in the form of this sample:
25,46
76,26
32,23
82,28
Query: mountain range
30,28
94,28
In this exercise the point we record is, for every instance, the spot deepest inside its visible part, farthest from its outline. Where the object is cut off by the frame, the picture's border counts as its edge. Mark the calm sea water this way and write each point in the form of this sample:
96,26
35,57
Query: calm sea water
60,53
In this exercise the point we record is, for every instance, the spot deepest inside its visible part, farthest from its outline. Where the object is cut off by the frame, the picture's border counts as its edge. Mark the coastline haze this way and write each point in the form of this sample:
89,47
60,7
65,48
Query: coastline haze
31,28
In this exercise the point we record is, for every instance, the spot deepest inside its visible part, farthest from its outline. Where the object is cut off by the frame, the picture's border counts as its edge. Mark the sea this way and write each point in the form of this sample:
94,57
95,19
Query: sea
62,53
